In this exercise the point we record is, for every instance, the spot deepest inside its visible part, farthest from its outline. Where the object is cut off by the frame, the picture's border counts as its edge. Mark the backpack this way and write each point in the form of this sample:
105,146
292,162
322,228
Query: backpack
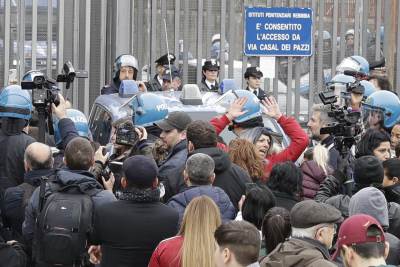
64,223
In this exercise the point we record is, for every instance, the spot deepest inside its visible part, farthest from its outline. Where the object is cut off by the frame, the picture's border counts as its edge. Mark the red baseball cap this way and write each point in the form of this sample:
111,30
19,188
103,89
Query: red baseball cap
354,231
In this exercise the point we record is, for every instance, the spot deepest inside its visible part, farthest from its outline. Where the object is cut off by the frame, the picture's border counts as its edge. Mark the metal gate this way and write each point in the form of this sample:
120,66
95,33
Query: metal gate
42,34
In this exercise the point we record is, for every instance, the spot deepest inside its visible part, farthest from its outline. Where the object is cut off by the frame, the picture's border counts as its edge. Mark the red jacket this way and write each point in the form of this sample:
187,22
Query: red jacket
167,253
298,137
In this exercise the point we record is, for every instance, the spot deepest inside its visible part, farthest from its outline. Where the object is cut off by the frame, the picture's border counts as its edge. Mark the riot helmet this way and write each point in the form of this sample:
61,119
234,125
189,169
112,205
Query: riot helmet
382,108
80,121
125,60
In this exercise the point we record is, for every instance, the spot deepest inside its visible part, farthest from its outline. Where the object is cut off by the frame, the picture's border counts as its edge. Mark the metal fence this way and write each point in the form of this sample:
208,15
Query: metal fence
42,34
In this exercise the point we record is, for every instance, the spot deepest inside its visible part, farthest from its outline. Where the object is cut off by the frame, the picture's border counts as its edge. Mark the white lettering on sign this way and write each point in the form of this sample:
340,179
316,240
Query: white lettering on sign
301,15
301,47
269,47
278,15
256,14
273,36
251,46
282,27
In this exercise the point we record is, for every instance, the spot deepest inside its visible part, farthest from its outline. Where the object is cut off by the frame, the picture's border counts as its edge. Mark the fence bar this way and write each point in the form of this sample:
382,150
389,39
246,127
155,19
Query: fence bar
199,41
7,25
185,40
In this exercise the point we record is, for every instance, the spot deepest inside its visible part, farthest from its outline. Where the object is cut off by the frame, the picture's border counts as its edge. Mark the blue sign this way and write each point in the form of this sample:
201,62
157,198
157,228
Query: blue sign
278,31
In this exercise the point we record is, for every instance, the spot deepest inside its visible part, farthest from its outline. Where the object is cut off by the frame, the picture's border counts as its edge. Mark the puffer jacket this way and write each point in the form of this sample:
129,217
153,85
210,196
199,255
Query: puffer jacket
313,175
298,252
180,201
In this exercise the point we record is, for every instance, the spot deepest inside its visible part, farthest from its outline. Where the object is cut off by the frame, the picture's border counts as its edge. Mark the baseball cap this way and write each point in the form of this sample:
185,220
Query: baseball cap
172,72
175,120
354,231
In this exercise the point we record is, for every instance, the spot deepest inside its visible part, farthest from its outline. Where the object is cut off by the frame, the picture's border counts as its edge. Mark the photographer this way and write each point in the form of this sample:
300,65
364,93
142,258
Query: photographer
123,145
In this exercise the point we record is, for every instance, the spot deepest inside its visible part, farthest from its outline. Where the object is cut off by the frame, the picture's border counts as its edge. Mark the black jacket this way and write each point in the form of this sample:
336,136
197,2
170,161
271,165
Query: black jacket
205,88
261,94
284,200
171,168
129,231
153,85
228,176
12,158
13,208
392,193
109,89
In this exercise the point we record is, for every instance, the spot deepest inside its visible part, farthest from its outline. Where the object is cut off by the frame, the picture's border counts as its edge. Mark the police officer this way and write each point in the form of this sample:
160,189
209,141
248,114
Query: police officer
162,64
210,75
125,68
15,113
253,77
172,79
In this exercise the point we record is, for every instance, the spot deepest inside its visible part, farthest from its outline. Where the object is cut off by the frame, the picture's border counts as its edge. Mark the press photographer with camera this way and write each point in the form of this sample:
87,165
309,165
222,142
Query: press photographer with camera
126,140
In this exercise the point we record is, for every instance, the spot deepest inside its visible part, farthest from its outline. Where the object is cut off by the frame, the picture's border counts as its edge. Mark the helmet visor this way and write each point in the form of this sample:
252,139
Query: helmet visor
372,116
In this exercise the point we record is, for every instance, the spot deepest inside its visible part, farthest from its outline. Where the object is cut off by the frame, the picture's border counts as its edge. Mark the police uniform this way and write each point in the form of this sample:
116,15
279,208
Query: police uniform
155,84
123,60
256,73
15,112
205,85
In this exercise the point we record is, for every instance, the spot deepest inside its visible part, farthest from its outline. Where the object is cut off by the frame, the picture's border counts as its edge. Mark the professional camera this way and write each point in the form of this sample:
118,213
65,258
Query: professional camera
45,93
347,125
126,134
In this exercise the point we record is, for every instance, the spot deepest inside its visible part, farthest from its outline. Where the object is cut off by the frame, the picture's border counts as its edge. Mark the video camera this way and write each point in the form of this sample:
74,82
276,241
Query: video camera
347,125
126,134
45,92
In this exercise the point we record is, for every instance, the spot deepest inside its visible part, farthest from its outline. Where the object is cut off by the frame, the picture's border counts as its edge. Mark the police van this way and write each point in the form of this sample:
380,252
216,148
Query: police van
108,109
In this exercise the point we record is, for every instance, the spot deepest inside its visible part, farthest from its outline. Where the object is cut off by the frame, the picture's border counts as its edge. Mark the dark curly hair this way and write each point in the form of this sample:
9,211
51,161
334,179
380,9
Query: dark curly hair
286,177
371,139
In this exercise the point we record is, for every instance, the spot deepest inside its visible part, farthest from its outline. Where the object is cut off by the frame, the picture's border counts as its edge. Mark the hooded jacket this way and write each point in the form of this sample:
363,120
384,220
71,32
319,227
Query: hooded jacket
109,89
298,252
372,202
180,201
228,176
329,192
313,175
298,137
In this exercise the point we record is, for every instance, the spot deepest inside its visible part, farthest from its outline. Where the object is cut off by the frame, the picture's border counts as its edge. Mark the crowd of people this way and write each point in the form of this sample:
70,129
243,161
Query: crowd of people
181,195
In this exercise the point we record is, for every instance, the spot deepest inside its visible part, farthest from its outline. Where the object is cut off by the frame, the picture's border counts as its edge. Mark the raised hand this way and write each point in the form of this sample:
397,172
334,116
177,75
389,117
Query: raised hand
271,107
236,108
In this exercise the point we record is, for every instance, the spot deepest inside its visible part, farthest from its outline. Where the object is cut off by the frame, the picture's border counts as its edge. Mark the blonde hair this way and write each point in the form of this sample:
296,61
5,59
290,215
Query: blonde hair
321,156
200,220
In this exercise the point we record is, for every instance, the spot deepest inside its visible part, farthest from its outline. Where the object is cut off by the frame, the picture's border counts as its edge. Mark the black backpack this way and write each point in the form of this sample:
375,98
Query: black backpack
63,224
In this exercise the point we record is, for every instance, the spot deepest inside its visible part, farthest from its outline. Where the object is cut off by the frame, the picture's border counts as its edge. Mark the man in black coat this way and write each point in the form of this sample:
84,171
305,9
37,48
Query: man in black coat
173,135
202,138
129,229
253,76
38,161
